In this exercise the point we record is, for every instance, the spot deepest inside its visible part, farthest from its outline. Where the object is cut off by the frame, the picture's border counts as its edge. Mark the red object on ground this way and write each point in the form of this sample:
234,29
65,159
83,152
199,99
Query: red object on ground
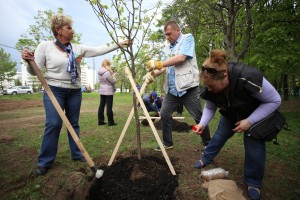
194,128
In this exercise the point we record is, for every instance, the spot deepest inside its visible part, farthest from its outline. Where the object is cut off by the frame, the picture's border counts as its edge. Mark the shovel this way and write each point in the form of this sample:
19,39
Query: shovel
98,172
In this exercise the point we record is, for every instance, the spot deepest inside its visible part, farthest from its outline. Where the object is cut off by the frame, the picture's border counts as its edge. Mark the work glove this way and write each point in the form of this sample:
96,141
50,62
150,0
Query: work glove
149,78
151,65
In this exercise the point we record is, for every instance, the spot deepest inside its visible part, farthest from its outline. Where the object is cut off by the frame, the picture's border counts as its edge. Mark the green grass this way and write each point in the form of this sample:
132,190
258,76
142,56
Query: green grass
18,157
22,96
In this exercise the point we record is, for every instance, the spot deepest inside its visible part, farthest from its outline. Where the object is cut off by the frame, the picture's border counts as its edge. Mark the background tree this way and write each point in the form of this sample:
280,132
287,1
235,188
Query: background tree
7,67
41,31
127,20
38,32
17,81
97,86
275,44
118,64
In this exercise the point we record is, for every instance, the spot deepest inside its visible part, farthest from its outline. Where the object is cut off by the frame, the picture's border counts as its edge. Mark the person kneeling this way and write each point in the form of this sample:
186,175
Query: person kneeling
152,103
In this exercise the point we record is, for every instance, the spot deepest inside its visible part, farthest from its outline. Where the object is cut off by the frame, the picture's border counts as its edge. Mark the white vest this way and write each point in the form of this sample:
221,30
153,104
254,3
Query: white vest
187,73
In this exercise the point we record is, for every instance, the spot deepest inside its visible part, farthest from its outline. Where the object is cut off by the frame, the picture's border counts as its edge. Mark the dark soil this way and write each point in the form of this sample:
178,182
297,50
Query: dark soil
176,125
7,105
130,178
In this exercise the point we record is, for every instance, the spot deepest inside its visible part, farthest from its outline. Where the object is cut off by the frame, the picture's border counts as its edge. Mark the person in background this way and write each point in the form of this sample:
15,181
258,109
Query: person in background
138,86
107,79
61,59
182,80
152,102
243,97
88,88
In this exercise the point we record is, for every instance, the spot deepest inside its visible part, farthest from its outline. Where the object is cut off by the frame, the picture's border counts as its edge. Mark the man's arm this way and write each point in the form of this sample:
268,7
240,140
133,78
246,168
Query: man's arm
175,60
186,50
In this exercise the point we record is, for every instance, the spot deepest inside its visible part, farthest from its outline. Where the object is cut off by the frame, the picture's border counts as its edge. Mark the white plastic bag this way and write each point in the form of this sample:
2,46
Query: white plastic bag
212,174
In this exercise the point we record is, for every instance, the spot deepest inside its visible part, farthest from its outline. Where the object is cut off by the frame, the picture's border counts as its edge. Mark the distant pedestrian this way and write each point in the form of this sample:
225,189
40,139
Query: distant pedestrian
107,79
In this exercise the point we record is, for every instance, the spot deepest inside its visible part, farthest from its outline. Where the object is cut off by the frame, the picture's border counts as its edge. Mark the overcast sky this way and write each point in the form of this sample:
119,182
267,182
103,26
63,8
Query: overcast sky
17,15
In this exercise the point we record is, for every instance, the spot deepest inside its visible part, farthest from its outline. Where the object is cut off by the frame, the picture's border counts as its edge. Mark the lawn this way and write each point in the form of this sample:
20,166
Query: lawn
22,123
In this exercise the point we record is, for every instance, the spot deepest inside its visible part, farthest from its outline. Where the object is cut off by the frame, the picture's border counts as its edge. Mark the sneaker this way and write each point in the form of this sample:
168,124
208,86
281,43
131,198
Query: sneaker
204,147
253,193
41,171
101,123
165,146
199,164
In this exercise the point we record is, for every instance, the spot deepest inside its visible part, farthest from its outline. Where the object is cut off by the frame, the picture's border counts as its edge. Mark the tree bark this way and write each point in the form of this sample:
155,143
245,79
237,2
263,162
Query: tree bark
285,88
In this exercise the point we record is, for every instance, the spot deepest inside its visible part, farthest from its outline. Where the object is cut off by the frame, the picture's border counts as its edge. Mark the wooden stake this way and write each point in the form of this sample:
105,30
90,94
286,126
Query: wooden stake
125,128
150,121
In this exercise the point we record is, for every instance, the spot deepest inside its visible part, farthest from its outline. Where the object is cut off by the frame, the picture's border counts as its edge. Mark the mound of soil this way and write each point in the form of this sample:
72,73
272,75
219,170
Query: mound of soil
176,125
130,178
8,105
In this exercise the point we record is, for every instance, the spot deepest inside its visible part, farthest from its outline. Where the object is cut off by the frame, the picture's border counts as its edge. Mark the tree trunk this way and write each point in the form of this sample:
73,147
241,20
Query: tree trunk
137,120
285,88
138,128
229,28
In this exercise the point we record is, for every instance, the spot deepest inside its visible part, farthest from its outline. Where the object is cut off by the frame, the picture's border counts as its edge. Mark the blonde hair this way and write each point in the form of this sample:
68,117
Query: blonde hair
217,60
59,20
106,64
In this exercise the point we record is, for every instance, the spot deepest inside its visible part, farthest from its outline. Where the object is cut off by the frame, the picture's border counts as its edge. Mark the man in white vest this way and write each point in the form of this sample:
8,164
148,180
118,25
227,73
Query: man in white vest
182,80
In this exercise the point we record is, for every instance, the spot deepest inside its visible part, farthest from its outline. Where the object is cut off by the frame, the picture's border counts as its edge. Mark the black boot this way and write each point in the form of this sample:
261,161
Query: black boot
112,124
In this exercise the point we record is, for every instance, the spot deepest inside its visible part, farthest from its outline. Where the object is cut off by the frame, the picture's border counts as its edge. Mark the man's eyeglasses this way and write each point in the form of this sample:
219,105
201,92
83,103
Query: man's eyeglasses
211,71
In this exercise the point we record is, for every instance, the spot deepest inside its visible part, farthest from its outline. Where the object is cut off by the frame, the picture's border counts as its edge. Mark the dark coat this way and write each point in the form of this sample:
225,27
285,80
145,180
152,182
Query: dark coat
236,101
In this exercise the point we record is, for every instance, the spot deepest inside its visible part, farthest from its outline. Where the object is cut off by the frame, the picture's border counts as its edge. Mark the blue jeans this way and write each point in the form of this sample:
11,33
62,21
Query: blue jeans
148,105
255,152
70,101
107,100
192,103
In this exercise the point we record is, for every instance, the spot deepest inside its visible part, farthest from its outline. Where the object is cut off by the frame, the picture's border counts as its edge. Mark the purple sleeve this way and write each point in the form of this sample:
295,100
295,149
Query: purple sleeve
270,101
208,112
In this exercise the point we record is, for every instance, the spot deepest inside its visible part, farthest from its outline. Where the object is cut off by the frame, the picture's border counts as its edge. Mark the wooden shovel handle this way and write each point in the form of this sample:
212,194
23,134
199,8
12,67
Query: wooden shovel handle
61,113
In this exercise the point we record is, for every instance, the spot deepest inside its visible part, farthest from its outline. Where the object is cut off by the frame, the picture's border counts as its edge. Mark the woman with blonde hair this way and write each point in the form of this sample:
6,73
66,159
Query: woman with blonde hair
61,59
107,79
243,97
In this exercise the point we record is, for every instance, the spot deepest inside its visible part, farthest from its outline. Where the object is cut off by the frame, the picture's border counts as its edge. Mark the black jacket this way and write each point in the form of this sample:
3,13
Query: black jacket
236,102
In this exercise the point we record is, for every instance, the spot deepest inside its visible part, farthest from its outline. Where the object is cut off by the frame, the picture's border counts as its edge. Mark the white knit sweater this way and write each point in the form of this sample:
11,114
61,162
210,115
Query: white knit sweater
55,62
